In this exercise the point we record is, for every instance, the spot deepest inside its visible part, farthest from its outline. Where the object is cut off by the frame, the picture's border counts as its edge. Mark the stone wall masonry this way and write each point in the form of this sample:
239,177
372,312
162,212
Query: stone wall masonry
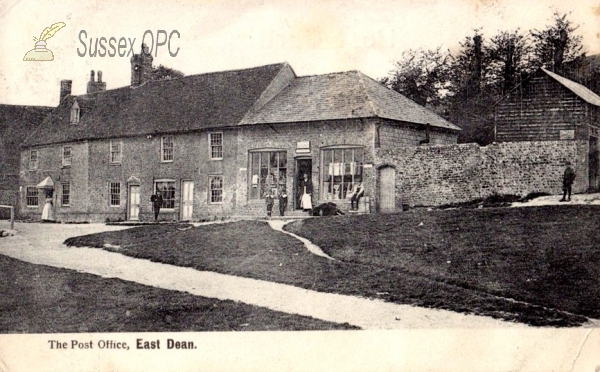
438,175
393,135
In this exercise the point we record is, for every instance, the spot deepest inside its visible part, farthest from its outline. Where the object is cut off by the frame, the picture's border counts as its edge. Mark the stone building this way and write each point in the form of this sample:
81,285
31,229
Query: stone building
214,143
549,107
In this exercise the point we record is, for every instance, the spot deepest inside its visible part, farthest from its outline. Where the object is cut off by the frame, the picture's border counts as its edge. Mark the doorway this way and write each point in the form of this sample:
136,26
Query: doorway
387,190
187,200
134,202
303,166
594,164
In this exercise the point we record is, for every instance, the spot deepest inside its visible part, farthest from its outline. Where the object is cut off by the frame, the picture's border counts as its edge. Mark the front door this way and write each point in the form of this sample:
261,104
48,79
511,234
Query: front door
303,166
187,200
134,202
387,190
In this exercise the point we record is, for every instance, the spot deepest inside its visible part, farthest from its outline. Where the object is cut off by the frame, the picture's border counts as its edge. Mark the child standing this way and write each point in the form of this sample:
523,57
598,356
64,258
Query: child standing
283,201
269,200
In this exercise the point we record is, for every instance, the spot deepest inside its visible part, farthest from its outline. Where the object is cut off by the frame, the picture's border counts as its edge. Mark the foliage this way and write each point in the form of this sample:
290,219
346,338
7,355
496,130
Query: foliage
557,44
510,60
468,83
421,75
164,73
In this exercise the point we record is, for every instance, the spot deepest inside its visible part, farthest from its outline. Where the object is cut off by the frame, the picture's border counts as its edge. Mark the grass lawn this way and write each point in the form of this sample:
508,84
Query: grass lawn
42,299
463,260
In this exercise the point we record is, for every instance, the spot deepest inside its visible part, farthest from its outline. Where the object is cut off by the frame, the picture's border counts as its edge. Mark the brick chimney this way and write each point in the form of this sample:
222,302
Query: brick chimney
141,67
94,86
65,89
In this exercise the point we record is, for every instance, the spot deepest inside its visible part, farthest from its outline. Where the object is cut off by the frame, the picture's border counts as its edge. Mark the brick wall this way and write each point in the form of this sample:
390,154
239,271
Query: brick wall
437,175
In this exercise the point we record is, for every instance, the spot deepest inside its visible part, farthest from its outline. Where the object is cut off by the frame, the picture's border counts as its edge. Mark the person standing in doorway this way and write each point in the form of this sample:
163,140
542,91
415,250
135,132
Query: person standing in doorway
568,179
304,194
157,201
283,201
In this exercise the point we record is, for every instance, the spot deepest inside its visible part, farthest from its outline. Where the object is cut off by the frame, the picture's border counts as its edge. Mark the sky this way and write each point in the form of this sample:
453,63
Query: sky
313,36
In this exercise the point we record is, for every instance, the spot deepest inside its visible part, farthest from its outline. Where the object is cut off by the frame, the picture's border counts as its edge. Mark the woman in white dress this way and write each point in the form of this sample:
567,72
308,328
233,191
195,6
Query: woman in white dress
304,192
48,211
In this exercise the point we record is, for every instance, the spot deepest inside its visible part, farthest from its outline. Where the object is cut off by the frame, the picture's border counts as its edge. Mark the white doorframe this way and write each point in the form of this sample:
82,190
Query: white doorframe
187,200
133,202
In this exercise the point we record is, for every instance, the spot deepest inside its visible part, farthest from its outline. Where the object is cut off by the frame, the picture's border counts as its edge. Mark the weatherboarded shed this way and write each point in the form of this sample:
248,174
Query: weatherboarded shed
549,107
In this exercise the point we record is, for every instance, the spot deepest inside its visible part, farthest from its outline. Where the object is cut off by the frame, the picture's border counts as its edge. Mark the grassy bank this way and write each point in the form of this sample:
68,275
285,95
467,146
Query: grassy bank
42,299
461,260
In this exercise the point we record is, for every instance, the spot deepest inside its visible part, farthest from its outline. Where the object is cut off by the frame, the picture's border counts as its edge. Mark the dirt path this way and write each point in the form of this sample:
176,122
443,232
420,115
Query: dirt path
42,244
314,249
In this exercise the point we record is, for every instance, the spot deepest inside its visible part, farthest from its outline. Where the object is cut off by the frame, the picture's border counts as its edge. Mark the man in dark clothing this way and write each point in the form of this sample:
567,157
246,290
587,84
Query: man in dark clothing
157,201
283,201
568,178
358,193
269,200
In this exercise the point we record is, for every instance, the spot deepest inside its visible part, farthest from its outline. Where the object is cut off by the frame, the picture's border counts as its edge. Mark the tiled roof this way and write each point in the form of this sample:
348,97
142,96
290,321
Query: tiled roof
189,103
16,122
581,91
342,96
228,98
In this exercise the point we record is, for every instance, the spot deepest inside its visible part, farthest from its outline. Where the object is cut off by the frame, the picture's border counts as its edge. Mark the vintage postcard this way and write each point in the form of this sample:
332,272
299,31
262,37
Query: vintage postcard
300,186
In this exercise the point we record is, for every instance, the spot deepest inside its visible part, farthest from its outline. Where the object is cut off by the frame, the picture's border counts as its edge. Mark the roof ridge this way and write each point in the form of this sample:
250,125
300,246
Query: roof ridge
26,106
328,74
211,73
359,75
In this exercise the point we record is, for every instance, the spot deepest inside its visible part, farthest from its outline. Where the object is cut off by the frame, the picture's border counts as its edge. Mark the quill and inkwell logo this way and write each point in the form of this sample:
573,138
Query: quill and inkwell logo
40,53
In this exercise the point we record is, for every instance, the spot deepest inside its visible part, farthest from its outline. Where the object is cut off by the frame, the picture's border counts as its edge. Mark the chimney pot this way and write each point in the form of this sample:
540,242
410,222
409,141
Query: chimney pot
65,89
95,86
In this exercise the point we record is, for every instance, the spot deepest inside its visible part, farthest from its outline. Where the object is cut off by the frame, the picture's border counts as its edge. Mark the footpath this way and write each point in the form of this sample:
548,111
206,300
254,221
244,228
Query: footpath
42,244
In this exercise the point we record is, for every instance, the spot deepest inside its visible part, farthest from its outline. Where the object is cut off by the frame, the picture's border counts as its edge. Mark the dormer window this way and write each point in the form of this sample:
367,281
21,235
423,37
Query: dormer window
75,113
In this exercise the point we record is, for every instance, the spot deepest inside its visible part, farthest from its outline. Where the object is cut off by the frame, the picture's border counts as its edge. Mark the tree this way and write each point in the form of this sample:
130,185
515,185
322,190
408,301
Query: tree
164,73
468,71
557,44
470,103
421,75
510,60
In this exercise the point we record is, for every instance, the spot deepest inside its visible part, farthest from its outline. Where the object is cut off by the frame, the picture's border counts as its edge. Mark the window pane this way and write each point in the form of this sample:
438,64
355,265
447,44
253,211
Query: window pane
32,197
282,159
216,145
264,162
268,173
274,162
216,189
66,194
254,177
66,155
115,151
167,191
115,193
167,148
342,171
